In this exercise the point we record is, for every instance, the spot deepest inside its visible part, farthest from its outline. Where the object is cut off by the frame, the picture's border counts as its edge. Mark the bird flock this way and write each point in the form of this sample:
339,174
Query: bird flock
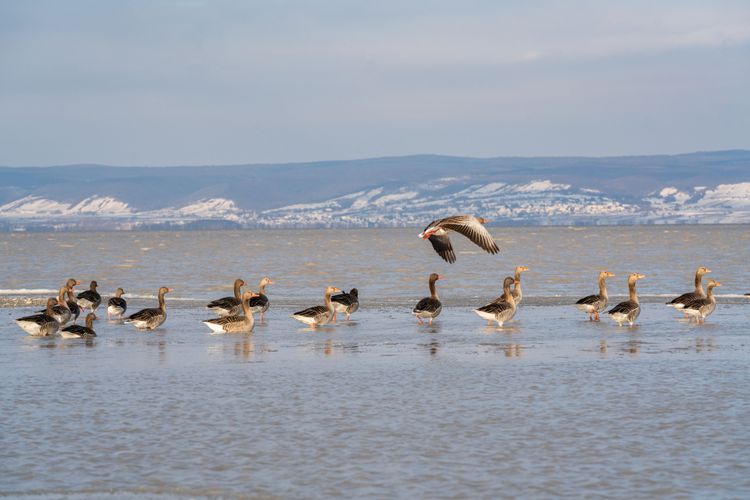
235,314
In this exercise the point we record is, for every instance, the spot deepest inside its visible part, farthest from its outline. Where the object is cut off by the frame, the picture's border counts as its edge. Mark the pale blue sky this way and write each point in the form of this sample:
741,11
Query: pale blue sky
188,82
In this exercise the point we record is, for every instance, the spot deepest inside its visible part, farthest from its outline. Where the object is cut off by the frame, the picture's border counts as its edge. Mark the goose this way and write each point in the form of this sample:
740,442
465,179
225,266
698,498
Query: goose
429,307
594,304
40,325
228,306
628,310
698,293
701,308
148,319
60,311
346,303
468,225
90,298
234,324
318,315
75,310
259,303
502,309
78,331
517,293
116,306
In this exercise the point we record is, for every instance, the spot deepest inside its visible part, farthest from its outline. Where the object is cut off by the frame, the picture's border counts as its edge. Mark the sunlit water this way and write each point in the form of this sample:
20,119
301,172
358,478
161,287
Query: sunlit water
550,405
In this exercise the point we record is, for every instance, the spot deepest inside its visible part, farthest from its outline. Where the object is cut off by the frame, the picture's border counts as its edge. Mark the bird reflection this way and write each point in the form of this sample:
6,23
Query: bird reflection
632,347
704,344
513,350
603,348
162,351
244,349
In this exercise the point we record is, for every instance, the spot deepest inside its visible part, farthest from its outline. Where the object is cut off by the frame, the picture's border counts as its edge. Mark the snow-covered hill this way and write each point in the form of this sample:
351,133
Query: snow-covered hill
408,191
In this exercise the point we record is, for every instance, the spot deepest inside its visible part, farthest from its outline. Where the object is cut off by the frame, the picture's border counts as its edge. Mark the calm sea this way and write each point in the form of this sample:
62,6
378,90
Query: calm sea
550,405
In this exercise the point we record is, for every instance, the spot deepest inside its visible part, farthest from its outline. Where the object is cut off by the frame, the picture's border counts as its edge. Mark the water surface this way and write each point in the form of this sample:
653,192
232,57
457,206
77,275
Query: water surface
550,405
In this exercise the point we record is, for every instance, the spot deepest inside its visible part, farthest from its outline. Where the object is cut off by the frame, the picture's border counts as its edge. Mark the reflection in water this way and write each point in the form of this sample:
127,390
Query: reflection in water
513,350
603,348
704,344
632,347
244,349
162,351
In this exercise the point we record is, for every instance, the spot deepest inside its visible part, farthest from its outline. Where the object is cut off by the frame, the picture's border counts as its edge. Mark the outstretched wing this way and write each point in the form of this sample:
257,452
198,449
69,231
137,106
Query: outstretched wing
470,227
442,245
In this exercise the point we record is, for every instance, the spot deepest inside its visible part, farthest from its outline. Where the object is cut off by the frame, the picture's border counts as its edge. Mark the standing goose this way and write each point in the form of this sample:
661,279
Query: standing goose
346,303
502,309
594,304
75,310
318,315
90,298
628,310
683,299
701,308
116,306
234,324
40,325
78,331
60,311
468,225
259,303
517,293
228,306
429,307
148,319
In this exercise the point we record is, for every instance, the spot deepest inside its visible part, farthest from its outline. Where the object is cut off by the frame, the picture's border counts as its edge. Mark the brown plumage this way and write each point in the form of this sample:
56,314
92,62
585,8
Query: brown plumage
468,225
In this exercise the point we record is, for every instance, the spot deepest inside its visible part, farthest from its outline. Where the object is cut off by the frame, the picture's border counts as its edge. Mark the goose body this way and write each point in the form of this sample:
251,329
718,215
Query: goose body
502,309
40,325
234,324
90,299
116,306
346,303
468,225
148,319
75,309
318,315
228,306
594,304
60,311
78,331
629,310
679,302
259,303
701,308
429,307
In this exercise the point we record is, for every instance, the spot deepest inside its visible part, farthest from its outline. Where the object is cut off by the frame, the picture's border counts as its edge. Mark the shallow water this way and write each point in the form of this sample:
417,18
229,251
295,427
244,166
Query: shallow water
550,405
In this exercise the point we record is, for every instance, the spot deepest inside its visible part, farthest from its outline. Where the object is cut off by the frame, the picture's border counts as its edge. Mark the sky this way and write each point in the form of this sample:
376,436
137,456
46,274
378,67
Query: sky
189,82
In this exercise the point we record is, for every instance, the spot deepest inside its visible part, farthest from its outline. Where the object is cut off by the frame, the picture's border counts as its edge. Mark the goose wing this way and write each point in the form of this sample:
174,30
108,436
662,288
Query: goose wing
684,298
226,320
344,299
117,302
443,247
427,304
312,312
259,301
495,307
223,303
589,299
623,307
145,314
470,227
696,303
